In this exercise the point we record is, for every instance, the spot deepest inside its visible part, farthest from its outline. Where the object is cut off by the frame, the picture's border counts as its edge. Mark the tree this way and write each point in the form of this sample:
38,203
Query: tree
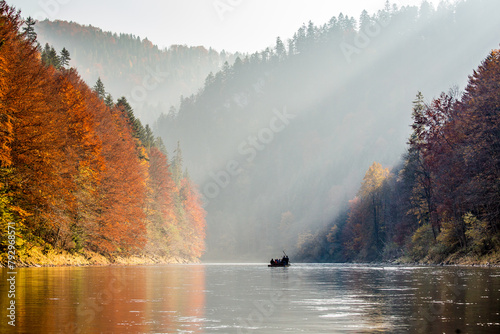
108,101
35,143
311,33
99,89
148,137
364,21
417,166
50,57
127,109
370,191
122,191
64,57
300,40
291,46
364,232
29,30
280,49
176,166
73,173
160,212
195,215
480,124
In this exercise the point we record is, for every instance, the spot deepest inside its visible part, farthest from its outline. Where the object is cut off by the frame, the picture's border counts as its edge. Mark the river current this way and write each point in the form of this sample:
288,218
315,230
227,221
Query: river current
252,298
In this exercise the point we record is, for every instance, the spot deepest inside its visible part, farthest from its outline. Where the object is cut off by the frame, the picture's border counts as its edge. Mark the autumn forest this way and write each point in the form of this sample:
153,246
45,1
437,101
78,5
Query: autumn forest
79,172
335,144
442,203
355,91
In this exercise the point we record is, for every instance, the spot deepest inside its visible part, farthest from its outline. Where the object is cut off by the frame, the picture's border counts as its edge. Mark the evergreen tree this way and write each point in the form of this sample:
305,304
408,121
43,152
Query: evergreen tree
186,175
99,89
50,57
108,101
176,165
280,49
149,137
311,32
416,138
122,102
54,58
208,81
364,21
416,167
158,143
65,57
138,130
172,112
291,46
370,192
226,71
29,30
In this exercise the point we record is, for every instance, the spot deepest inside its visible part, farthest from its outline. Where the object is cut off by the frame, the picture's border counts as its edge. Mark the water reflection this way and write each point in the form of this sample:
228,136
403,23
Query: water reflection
142,299
255,299
399,299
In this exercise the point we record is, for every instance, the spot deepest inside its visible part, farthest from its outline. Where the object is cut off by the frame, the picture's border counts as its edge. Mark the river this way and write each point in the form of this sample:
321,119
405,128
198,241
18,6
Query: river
252,298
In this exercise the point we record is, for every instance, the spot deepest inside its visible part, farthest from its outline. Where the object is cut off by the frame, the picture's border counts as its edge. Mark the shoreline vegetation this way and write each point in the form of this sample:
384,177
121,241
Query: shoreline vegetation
492,260
82,181
37,257
441,204
61,258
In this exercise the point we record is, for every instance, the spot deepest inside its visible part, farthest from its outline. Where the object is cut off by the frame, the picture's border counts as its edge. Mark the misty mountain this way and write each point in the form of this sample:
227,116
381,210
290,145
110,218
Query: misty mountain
280,141
152,79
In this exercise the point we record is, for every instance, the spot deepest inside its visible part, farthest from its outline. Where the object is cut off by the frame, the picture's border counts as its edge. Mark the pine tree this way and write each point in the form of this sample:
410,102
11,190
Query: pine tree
108,101
208,81
364,21
176,165
122,102
50,57
416,138
158,143
311,32
280,49
172,112
149,137
64,58
291,46
138,130
29,30
99,89
415,168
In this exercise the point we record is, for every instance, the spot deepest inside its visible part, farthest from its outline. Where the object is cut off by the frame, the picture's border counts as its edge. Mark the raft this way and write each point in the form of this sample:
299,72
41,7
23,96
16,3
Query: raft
284,262
279,265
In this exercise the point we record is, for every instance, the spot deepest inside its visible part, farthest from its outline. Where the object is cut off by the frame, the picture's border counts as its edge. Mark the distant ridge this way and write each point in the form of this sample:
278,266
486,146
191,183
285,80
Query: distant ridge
152,79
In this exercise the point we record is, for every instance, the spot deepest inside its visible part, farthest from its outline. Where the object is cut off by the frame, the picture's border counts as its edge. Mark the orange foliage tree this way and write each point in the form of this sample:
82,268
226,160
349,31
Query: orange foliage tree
77,172
195,216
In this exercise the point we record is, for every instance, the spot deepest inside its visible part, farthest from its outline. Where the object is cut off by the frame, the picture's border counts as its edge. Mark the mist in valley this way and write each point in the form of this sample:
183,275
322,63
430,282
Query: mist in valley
278,140
155,189
152,79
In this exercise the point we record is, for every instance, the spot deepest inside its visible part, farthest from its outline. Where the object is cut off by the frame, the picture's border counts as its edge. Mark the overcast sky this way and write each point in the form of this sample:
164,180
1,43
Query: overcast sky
233,25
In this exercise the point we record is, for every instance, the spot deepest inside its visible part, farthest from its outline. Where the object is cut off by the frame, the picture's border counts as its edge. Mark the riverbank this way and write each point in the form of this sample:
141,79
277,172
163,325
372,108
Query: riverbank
61,258
492,259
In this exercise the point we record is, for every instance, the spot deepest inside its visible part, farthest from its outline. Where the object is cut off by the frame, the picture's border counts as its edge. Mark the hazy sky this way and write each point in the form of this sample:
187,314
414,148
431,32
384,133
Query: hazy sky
233,25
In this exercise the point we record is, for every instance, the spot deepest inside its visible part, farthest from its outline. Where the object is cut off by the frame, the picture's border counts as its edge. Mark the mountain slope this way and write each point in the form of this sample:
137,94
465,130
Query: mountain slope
133,67
280,141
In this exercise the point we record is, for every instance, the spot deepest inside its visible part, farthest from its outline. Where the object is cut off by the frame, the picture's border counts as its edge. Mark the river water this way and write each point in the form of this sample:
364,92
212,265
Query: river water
252,298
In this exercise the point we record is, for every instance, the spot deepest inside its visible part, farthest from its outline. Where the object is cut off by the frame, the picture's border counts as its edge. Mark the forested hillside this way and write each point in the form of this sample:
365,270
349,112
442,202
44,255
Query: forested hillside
442,204
152,79
81,176
280,141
